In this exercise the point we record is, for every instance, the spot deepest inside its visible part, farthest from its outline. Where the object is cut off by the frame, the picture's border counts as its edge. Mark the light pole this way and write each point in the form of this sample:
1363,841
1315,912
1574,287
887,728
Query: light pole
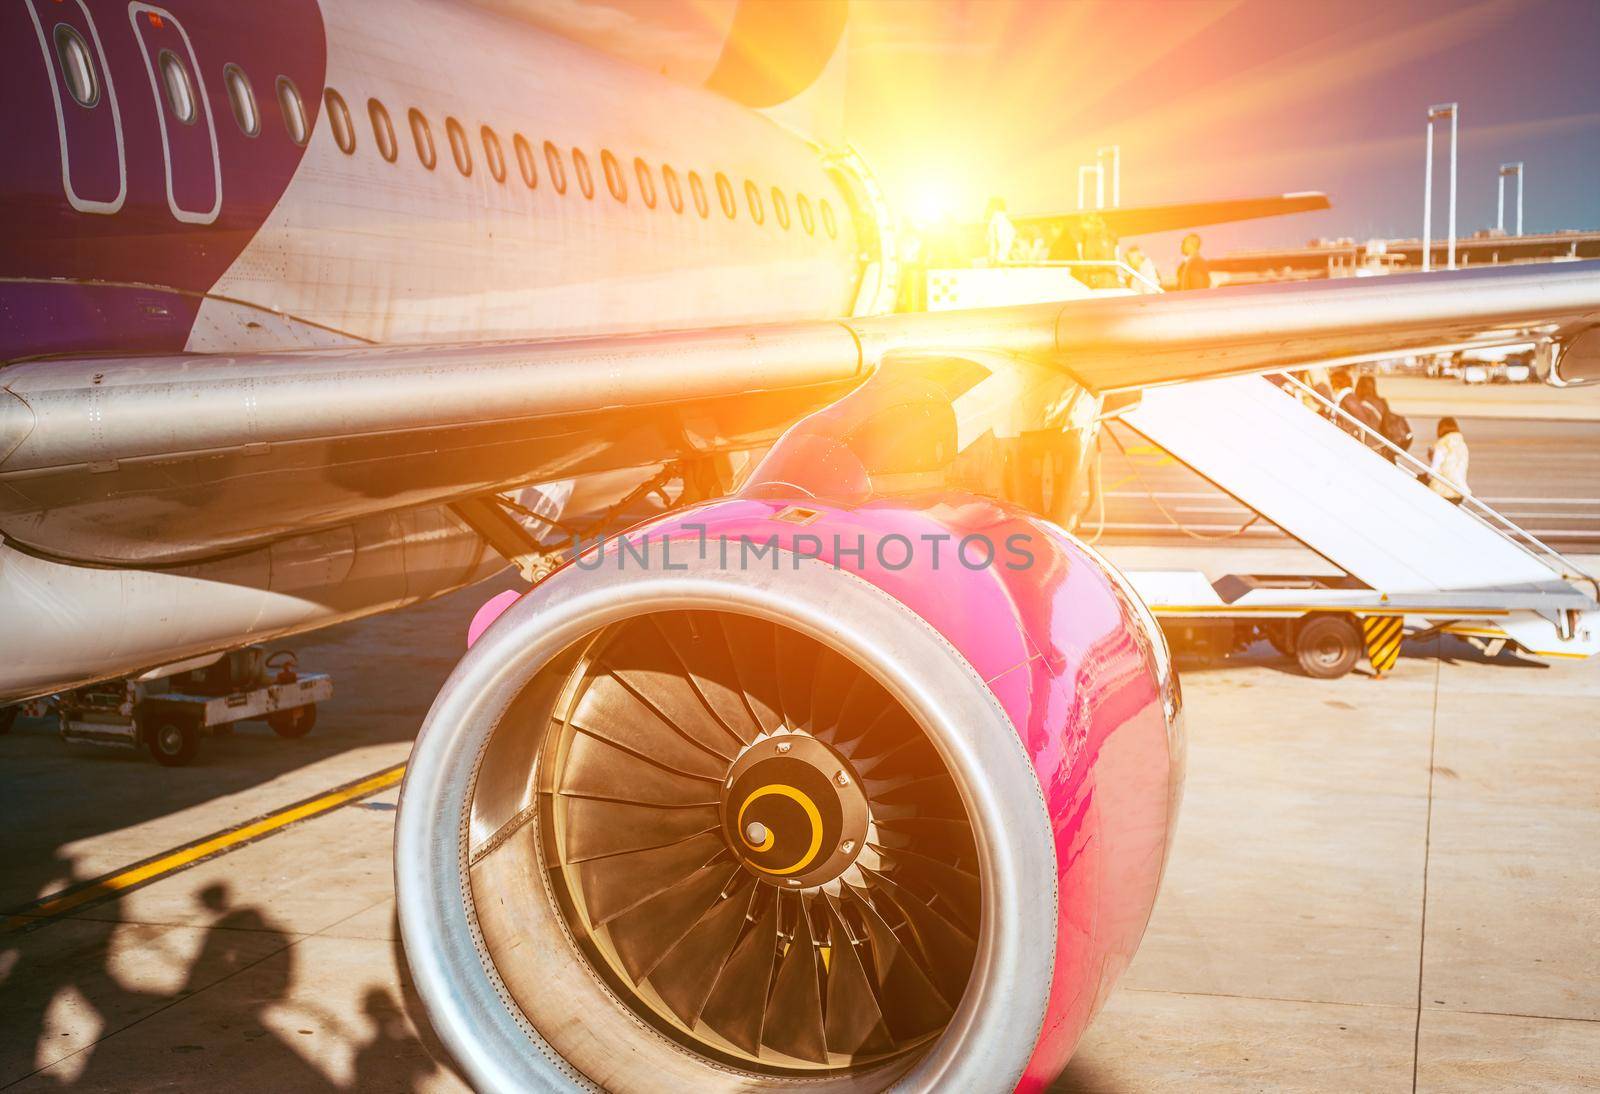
1440,110
1115,151
1506,170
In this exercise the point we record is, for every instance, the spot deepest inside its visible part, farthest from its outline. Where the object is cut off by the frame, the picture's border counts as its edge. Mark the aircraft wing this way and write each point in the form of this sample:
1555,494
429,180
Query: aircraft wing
150,461
1135,220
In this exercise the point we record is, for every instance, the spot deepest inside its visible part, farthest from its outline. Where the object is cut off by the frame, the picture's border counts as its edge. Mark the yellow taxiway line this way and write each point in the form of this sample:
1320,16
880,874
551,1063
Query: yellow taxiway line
108,886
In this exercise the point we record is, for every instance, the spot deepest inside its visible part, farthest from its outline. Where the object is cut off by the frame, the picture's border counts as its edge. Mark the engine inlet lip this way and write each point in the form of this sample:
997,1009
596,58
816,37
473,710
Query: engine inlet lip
992,1035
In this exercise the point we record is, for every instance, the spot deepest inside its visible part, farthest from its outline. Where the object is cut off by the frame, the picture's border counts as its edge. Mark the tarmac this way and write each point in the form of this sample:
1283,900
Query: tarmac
1377,885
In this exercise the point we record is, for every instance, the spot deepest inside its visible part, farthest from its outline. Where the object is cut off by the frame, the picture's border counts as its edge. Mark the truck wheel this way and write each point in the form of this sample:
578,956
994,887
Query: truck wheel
8,718
1327,646
172,739
296,722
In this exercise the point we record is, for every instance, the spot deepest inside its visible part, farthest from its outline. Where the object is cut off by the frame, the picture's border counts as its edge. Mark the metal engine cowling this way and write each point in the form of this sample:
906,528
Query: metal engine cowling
860,791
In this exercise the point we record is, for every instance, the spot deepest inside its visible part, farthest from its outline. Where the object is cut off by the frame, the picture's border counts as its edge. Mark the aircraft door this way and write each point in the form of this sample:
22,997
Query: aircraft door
94,170
188,131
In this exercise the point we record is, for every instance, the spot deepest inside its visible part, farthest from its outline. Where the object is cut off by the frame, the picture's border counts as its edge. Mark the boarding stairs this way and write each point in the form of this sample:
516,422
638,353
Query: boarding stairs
1407,550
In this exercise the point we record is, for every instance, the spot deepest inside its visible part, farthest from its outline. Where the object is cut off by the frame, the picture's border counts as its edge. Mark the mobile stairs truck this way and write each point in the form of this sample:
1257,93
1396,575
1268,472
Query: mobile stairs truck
1414,563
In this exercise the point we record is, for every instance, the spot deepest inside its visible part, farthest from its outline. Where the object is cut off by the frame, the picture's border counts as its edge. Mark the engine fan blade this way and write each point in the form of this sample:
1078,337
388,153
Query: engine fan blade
610,711
619,882
598,828
911,1005
750,646
834,680
640,659
891,729
947,949
862,701
696,639
685,976
913,756
958,889
595,769
738,1004
930,795
796,657
866,703
854,1025
953,837
793,1023
643,935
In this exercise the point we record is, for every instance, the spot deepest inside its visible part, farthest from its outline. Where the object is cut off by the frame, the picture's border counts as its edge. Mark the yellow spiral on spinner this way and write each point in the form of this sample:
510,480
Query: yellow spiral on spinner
806,804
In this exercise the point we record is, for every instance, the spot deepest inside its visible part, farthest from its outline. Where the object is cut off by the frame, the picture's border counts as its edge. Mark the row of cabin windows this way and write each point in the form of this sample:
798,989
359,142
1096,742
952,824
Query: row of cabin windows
82,81
615,177
83,84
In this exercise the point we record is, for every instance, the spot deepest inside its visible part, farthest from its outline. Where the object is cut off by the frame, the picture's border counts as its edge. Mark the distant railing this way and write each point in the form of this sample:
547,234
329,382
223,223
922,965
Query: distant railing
1087,264
1486,515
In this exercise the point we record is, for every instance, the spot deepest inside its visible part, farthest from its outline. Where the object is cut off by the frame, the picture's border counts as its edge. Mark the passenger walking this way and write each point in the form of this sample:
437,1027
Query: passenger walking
1354,407
1394,427
1002,233
1193,272
1448,460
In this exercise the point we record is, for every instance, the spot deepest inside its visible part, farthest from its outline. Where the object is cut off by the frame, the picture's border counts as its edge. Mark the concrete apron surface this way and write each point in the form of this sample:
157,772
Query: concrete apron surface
1376,885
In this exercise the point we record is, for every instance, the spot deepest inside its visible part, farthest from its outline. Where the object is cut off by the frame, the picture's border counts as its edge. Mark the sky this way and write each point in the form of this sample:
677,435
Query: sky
951,101
1231,99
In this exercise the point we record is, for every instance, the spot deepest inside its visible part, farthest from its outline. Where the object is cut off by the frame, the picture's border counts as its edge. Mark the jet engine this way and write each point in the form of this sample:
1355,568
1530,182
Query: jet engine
853,779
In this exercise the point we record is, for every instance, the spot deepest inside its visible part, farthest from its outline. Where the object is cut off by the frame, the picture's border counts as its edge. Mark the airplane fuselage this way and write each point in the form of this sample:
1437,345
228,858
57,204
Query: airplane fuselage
196,178
458,177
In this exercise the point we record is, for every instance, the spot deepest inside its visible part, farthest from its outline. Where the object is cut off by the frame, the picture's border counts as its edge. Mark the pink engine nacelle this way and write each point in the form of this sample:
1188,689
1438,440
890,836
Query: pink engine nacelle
1075,659
980,596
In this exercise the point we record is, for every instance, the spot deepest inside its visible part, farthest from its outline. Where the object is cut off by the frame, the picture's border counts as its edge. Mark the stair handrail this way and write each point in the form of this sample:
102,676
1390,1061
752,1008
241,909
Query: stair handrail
1117,264
1479,510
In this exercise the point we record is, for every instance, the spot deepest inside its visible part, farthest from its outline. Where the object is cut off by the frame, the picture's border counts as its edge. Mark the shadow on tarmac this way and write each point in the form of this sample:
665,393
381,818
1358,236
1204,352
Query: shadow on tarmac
59,979
1447,649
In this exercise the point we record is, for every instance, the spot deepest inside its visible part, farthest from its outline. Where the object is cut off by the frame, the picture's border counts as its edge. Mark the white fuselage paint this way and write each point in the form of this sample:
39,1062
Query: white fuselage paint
396,252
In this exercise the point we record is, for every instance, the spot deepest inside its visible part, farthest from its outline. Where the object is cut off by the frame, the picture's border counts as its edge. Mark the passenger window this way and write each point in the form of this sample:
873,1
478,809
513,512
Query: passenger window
243,99
780,208
803,205
525,163
76,66
458,145
613,172
647,185
580,169
725,196
829,225
697,189
422,133
180,89
669,180
493,156
383,130
293,110
558,173
752,196
344,130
